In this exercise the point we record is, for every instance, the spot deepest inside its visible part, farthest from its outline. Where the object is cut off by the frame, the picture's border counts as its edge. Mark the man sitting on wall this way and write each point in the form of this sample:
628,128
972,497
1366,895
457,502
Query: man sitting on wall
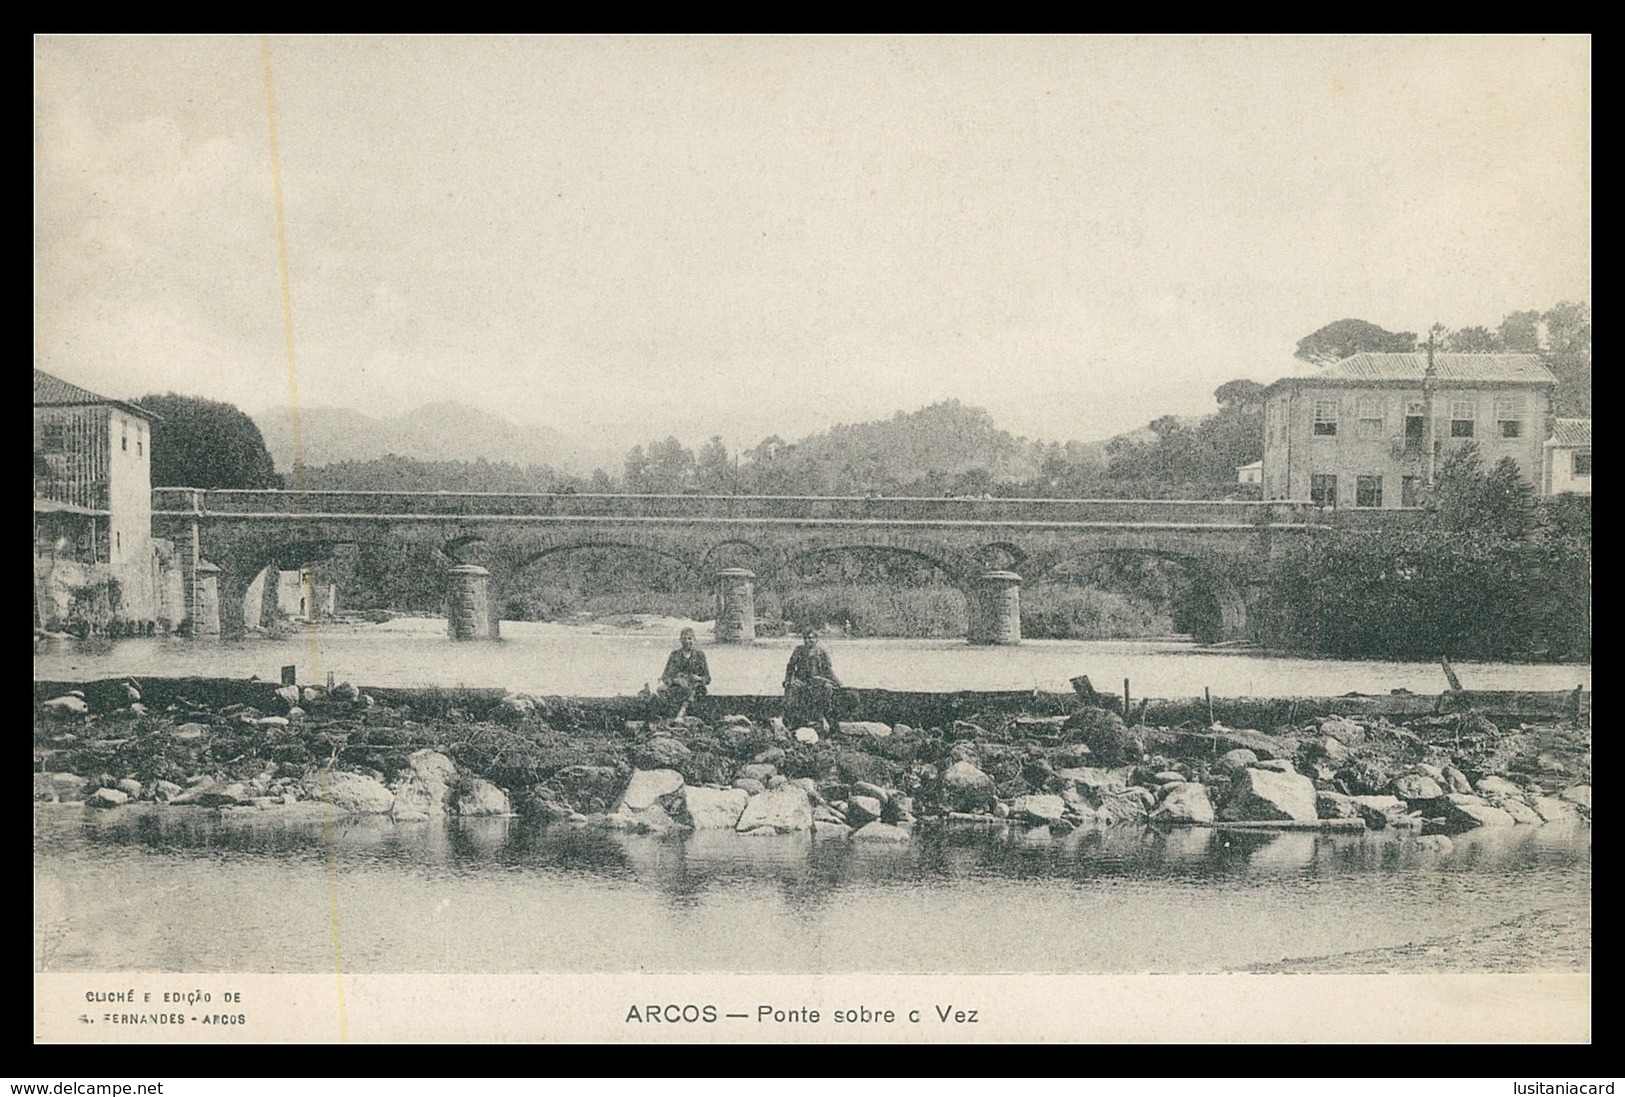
810,685
687,674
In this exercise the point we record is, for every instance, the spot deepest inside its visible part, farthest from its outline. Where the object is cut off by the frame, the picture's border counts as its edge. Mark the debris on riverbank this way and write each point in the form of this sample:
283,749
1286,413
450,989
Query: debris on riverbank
417,755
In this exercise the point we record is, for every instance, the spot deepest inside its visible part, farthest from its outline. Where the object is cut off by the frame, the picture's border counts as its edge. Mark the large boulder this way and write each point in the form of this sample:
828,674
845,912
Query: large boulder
1416,786
1184,802
1344,730
1096,781
1335,805
967,788
662,752
880,832
1380,811
477,796
431,765
353,793
426,792
1455,780
649,787
759,771
1038,808
863,809
1265,795
1495,786
1460,812
872,729
1521,812
107,798
867,788
782,810
715,808
1234,761
417,799
1120,809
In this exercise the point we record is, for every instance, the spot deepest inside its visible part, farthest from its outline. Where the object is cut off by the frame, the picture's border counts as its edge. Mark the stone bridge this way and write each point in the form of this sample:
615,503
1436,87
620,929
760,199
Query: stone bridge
986,547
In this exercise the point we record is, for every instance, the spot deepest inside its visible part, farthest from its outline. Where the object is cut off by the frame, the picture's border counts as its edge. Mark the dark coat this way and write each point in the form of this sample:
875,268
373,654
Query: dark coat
689,661
808,663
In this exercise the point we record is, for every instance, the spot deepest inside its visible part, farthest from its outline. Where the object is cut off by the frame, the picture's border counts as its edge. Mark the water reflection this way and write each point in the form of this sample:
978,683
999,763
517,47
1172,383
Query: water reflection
514,895
807,869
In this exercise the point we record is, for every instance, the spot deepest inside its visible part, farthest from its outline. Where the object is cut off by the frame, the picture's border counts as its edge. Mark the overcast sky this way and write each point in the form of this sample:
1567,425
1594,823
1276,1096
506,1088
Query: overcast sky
625,238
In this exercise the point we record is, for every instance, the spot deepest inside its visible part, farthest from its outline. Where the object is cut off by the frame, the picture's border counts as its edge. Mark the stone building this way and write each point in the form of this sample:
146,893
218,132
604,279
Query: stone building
1373,429
93,509
1568,458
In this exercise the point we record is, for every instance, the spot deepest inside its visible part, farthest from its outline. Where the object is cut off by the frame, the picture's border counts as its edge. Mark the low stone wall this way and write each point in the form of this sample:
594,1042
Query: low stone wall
416,755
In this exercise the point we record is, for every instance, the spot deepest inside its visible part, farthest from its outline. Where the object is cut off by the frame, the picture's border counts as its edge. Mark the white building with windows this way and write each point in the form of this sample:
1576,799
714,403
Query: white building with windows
1568,458
92,501
1372,430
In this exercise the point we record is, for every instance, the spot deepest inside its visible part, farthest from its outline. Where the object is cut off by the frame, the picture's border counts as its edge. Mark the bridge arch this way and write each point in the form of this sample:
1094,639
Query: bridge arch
528,558
521,591
1215,604
859,601
791,559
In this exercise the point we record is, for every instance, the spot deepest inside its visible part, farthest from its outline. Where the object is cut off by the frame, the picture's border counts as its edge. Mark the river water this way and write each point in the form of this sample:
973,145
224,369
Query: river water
189,890
604,660
178,889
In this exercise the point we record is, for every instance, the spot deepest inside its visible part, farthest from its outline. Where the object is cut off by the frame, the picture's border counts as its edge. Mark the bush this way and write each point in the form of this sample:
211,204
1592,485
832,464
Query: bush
1055,612
1425,594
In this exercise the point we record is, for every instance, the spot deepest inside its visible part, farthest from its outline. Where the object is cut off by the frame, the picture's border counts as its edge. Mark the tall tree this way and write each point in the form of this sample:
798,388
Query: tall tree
1520,332
1568,356
637,471
1568,328
1239,395
714,470
198,443
1473,340
1341,338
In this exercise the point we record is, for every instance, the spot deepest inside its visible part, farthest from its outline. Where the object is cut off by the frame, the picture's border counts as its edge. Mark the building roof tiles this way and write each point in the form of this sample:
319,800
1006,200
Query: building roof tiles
52,391
1411,368
1572,432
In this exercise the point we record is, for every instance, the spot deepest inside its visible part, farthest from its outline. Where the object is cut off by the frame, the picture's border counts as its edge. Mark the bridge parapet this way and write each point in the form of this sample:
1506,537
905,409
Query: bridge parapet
177,502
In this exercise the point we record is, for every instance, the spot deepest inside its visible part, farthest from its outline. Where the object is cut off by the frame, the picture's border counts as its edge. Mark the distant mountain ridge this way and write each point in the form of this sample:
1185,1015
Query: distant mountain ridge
443,431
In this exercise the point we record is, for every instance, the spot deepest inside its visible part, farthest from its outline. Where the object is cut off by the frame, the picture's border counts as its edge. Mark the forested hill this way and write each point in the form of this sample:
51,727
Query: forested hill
944,449
937,448
440,432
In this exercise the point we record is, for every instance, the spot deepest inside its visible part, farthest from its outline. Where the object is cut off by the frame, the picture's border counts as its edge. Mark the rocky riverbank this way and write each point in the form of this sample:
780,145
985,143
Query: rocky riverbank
417,755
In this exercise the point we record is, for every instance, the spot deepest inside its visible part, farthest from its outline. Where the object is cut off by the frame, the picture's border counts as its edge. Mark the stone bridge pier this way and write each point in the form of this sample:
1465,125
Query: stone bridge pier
993,604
